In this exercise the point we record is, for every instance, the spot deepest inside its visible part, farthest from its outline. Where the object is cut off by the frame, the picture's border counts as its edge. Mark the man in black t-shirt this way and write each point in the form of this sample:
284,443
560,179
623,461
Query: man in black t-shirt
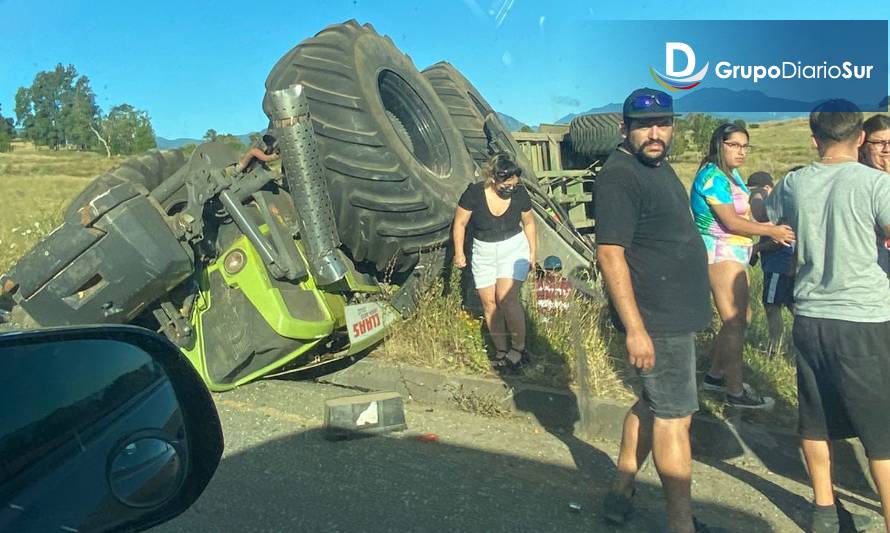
654,265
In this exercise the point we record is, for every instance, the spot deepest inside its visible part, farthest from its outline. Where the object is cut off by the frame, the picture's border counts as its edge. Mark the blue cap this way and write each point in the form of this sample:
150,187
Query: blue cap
552,263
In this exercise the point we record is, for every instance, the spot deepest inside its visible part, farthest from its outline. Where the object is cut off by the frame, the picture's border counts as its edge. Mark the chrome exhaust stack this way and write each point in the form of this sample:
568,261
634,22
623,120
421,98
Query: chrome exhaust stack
288,110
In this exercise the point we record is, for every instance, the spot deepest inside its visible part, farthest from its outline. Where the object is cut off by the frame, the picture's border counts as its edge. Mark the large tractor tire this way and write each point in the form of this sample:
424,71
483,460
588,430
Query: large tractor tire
395,163
465,105
469,109
147,170
595,136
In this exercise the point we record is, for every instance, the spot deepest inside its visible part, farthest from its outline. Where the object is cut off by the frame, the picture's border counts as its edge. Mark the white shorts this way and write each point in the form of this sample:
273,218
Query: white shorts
508,259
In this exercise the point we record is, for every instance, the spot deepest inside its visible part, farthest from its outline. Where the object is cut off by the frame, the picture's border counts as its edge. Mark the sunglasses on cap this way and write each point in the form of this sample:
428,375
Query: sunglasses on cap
645,101
502,175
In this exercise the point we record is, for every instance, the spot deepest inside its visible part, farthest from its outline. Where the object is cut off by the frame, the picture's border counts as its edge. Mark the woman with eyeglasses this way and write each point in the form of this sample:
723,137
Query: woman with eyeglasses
499,211
875,151
722,213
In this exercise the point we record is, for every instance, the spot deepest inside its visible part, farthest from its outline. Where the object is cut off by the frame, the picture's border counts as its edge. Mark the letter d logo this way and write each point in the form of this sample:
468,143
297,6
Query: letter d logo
670,50
679,80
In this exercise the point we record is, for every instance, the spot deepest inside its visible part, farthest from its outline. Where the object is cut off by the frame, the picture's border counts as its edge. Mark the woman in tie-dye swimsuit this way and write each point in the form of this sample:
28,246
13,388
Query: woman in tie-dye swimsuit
719,200
713,187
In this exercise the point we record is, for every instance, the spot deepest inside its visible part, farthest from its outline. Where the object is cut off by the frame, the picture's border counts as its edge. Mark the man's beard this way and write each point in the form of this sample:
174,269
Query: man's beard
648,160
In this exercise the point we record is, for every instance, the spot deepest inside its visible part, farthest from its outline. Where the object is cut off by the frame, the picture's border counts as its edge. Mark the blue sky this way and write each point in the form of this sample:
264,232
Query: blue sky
199,65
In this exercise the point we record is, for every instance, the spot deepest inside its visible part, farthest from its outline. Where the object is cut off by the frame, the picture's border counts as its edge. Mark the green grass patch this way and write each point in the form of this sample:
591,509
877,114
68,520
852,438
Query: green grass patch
37,184
778,146
443,335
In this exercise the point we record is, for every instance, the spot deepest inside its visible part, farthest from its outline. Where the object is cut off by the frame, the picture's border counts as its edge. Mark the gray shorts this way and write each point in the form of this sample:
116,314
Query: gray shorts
669,388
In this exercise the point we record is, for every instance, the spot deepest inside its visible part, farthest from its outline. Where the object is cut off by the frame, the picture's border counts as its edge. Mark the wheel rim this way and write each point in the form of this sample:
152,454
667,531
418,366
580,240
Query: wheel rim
427,142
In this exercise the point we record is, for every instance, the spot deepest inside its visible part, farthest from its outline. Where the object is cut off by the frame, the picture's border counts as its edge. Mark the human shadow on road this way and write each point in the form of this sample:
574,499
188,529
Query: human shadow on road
302,482
556,407
717,443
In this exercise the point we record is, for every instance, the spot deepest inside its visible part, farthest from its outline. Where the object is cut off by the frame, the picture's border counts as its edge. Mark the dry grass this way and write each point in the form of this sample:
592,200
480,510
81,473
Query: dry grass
443,335
36,185
778,146
440,335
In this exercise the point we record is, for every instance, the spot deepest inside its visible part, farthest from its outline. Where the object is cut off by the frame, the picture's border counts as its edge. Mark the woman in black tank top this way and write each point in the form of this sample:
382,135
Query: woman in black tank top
499,213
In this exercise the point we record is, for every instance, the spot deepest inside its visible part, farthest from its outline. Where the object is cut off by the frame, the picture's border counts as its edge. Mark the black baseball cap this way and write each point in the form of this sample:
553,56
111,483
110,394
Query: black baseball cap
760,179
648,103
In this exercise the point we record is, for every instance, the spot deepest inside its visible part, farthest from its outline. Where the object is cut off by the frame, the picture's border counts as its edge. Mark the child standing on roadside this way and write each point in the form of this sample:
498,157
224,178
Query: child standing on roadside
776,262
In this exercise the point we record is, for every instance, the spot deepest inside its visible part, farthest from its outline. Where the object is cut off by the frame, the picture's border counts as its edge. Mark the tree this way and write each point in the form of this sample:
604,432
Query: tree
7,124
127,130
680,141
227,138
58,109
233,140
740,123
5,141
7,133
23,113
702,128
79,114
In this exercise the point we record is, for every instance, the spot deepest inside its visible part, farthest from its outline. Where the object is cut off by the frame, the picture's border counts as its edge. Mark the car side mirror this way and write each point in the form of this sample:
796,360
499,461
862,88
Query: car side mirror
102,429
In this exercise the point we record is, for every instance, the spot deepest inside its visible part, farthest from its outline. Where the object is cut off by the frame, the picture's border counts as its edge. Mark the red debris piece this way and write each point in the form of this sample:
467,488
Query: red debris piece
428,437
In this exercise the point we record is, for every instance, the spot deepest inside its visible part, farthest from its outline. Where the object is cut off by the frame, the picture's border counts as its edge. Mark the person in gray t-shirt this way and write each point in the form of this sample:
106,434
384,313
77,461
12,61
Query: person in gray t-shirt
840,208
840,211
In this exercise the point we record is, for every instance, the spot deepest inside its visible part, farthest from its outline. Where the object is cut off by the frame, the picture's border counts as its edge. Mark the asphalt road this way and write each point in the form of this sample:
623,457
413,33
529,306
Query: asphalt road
278,473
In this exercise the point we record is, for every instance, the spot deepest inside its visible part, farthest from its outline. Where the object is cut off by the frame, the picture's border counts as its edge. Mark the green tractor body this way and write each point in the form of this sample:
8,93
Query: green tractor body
297,321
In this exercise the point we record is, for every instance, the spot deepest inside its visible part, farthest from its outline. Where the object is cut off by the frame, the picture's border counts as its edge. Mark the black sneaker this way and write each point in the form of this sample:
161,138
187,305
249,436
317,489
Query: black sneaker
714,384
824,519
852,521
836,518
749,400
617,508
700,526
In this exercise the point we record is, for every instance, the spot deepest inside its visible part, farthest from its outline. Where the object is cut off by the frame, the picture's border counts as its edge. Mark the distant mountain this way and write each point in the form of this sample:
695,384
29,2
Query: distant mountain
608,108
762,116
512,124
164,143
723,103
169,144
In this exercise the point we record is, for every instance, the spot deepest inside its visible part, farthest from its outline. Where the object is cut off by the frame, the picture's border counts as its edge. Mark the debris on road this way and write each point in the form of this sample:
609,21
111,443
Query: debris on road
363,414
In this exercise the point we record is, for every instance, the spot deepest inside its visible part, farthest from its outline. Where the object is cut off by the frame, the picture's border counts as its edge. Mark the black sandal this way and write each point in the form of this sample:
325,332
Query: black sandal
526,357
511,364
499,360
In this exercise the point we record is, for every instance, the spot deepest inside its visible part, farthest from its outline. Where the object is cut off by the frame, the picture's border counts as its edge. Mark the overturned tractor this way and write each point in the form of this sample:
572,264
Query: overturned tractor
252,271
